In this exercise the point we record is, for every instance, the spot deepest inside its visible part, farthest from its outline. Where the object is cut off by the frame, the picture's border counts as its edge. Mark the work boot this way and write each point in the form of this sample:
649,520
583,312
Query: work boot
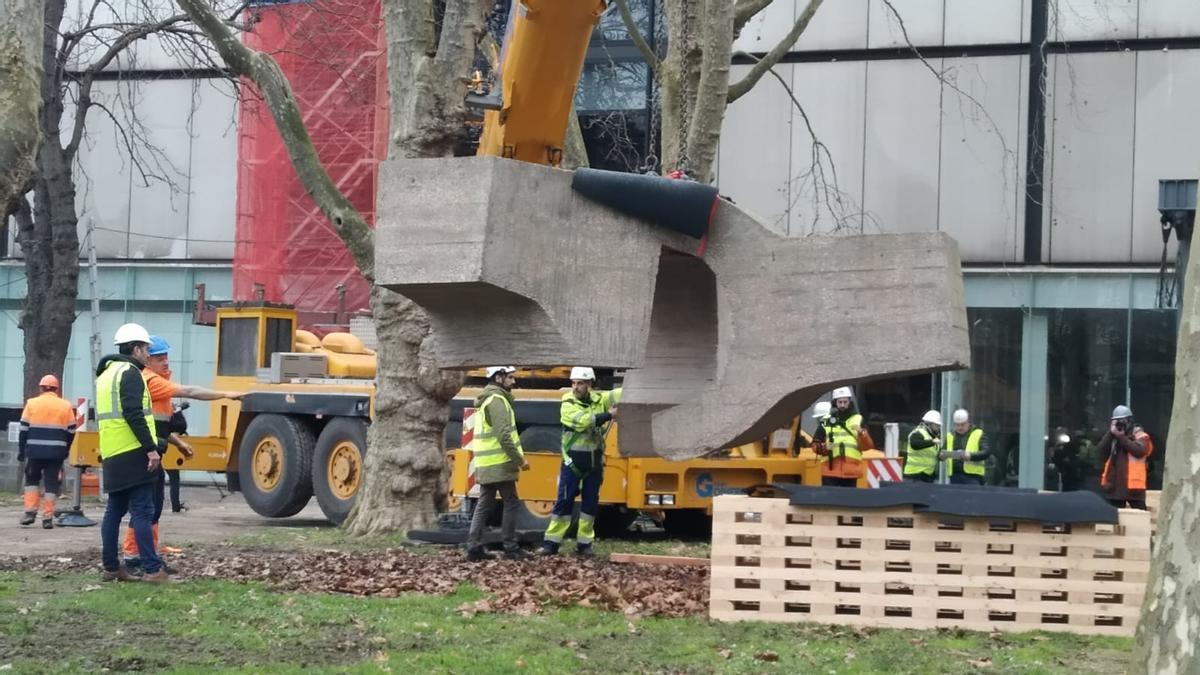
27,518
584,551
118,574
478,555
47,523
159,577
516,554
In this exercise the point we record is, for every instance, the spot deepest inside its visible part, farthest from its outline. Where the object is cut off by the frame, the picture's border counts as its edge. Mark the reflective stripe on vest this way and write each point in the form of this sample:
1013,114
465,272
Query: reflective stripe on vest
842,441
574,412
921,460
486,443
116,436
973,439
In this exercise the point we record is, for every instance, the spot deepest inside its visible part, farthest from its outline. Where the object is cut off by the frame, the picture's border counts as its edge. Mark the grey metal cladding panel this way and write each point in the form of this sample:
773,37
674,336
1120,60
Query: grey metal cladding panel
1093,19
1168,18
158,206
983,21
838,24
1167,141
213,199
1092,157
982,158
102,174
755,158
765,29
834,99
901,177
898,23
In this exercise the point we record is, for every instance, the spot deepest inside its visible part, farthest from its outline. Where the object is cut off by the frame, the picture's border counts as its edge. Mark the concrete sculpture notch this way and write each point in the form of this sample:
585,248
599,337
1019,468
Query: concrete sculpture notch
513,266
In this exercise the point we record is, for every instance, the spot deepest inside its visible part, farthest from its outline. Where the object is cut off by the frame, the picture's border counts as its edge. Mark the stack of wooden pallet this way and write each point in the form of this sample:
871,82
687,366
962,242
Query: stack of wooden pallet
892,567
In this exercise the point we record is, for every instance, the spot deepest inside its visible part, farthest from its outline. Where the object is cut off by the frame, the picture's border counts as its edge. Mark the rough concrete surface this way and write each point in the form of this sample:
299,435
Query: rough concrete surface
208,519
514,267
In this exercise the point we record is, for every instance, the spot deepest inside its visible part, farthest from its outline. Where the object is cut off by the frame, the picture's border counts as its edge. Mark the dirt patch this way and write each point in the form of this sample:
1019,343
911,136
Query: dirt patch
524,587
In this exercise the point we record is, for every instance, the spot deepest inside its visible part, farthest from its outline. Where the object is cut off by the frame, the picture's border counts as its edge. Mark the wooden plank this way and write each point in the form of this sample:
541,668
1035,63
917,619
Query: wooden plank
822,574
919,624
1016,538
1091,565
998,605
670,560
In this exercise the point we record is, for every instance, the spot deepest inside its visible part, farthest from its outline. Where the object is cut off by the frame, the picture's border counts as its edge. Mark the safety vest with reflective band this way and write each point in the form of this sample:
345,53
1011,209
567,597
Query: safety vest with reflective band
1135,470
486,443
842,439
973,440
921,461
580,432
47,427
116,436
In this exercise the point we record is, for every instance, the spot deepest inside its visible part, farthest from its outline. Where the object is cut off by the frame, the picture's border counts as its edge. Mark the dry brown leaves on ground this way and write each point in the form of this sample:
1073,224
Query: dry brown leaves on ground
524,587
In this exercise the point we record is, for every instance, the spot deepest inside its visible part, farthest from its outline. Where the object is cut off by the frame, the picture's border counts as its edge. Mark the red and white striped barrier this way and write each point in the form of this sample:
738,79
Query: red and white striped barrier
884,471
468,435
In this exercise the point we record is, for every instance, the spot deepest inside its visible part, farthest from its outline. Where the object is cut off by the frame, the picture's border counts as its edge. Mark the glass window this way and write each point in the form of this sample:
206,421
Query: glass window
615,140
612,85
1153,334
612,28
238,346
991,388
279,339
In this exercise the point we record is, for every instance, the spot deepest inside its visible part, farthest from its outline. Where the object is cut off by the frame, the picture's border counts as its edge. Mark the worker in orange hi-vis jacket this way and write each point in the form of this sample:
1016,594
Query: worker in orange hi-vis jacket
46,431
158,380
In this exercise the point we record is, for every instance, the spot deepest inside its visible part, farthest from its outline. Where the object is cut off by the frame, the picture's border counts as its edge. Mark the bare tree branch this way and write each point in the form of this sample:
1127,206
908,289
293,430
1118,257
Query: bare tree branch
635,34
270,80
745,10
739,88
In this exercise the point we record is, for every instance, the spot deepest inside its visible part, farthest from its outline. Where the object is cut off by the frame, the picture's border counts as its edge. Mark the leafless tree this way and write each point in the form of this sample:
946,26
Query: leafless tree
20,79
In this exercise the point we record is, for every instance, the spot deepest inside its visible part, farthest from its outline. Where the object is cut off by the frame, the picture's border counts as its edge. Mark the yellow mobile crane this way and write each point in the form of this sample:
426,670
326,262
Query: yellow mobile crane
301,429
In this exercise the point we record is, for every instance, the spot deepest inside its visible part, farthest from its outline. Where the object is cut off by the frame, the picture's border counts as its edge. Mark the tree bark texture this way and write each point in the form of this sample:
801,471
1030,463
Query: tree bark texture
1169,633
428,76
20,83
48,232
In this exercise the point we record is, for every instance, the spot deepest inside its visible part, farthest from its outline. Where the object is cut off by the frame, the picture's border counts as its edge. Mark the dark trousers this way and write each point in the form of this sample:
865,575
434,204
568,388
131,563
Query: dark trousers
160,489
483,511
965,479
834,481
1130,503
138,502
920,477
46,472
173,479
570,485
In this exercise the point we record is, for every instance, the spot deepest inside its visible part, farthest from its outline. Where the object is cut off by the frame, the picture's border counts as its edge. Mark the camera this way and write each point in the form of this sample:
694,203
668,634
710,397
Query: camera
1120,424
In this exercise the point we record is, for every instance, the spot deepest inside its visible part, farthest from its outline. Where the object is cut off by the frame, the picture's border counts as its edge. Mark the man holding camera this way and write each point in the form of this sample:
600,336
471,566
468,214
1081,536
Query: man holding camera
1126,447
966,451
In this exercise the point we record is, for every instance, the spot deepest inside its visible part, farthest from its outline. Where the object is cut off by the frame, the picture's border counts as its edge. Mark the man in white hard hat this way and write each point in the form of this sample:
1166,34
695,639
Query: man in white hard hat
128,452
921,458
840,439
585,415
1125,448
966,451
499,459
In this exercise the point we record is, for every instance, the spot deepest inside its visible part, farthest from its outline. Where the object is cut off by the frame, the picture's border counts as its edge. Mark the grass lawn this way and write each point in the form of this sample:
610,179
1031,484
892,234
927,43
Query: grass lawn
73,623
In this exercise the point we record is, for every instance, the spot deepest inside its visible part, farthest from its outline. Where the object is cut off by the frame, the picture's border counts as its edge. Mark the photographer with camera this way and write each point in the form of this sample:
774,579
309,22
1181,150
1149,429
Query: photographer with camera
1126,447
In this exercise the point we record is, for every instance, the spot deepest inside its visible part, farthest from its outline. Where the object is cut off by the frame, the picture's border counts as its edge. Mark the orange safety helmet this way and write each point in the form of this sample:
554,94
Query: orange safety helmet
49,381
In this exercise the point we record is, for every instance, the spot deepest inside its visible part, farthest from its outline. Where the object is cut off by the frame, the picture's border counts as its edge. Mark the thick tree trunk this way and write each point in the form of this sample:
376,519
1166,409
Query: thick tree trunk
20,82
50,239
1167,634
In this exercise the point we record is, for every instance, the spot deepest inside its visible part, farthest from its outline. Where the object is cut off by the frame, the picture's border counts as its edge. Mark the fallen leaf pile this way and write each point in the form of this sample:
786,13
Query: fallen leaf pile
524,587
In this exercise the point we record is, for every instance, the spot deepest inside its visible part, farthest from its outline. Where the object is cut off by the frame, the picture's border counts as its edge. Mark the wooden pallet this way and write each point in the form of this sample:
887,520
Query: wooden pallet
895,568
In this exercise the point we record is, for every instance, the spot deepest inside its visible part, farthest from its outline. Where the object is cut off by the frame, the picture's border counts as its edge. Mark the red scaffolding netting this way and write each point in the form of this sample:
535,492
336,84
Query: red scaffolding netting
332,52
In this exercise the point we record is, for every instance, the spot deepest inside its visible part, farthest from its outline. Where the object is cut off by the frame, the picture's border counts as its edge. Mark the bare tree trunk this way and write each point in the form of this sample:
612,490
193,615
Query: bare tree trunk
574,149
405,469
1167,634
20,82
49,237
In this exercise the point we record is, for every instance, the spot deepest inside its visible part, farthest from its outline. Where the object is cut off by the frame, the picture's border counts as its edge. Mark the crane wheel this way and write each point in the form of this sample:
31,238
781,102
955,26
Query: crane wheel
275,465
338,463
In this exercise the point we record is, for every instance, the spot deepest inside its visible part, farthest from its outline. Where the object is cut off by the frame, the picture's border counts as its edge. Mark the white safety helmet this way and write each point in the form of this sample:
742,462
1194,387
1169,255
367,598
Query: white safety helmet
131,332
583,373
932,417
961,416
821,409
492,371
1121,412
842,392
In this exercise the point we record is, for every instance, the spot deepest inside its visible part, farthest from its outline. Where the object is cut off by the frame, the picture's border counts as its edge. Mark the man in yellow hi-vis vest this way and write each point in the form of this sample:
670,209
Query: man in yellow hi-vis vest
498,460
128,452
965,452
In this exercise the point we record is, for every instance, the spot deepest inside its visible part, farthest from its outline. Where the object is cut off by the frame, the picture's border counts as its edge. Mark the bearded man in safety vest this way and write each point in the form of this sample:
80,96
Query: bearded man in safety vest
585,416
840,440
1126,447
966,452
47,429
498,458
921,459
128,452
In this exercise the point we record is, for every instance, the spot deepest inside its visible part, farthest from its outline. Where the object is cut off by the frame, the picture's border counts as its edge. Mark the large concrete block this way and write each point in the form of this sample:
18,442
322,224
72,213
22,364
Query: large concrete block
513,267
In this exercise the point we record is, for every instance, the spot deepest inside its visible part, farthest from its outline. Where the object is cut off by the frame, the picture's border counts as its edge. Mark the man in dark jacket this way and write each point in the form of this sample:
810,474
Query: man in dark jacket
1126,447
498,461
128,452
